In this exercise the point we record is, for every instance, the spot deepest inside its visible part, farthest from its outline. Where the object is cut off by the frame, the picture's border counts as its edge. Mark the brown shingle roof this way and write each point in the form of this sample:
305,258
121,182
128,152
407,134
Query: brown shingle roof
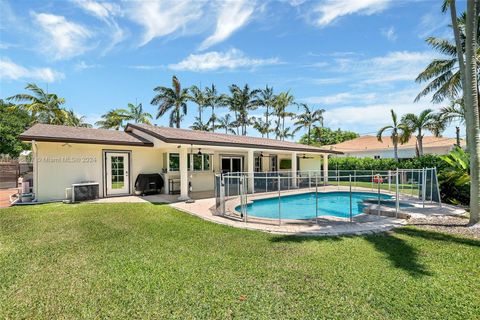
55,133
370,143
184,136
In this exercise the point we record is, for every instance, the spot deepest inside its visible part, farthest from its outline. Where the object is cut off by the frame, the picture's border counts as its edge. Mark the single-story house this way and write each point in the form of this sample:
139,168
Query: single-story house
369,147
69,155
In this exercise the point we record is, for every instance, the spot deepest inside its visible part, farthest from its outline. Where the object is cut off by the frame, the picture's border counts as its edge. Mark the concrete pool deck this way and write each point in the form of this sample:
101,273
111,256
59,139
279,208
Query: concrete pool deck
204,208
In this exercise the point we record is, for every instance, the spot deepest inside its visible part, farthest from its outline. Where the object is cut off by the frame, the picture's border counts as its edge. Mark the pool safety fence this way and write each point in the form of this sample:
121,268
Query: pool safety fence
235,191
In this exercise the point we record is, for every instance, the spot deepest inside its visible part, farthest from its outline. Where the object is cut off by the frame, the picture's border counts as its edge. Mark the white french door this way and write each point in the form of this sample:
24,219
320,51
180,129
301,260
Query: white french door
116,173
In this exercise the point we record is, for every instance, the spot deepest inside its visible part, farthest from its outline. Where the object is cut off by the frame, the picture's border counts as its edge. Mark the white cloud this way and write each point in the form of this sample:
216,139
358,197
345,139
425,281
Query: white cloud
389,33
147,67
330,10
13,71
64,39
82,65
232,16
231,59
431,23
161,18
341,98
106,12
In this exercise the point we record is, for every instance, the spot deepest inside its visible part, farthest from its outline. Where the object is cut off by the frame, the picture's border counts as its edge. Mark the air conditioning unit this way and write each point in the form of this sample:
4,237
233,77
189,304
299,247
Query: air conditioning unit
83,191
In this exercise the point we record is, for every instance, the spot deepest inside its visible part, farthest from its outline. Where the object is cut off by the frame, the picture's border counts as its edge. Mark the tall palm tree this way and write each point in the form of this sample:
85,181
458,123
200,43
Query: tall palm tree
444,75
171,99
226,124
197,96
470,96
72,119
282,101
261,126
241,101
455,111
214,100
399,133
113,119
44,107
199,125
267,99
136,114
426,120
286,133
308,118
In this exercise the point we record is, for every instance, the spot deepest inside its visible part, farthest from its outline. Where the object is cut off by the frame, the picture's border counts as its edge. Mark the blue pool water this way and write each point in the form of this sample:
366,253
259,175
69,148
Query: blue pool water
302,206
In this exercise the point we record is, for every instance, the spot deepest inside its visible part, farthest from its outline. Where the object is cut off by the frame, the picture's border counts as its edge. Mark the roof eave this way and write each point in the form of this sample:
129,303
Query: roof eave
28,138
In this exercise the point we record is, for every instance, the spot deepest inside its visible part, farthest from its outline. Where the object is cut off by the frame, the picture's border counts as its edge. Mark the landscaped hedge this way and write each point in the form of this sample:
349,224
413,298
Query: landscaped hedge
350,163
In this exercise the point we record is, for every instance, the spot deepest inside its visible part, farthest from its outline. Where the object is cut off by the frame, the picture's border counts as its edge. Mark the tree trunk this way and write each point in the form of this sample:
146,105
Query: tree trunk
266,122
213,118
420,143
395,150
471,108
308,141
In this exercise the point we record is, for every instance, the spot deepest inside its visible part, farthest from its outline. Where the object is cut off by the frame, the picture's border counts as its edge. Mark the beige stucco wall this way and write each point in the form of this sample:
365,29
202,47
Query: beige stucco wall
59,165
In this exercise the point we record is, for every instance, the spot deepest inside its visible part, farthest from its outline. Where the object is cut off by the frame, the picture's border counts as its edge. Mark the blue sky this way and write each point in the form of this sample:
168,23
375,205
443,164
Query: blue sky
356,59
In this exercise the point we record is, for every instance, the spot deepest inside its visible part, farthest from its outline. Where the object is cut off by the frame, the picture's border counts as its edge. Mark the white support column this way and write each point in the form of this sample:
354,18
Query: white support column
294,170
325,168
250,170
183,153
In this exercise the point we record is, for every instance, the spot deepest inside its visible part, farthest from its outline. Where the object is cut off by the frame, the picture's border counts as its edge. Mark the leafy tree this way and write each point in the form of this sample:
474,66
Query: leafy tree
171,99
308,118
281,102
113,119
266,99
226,124
74,120
136,114
467,55
455,111
214,100
454,179
400,133
443,74
321,136
261,126
13,121
426,120
43,107
241,101
197,96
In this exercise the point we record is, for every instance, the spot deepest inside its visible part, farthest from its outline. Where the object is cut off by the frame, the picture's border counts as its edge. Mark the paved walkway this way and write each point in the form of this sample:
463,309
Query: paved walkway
5,196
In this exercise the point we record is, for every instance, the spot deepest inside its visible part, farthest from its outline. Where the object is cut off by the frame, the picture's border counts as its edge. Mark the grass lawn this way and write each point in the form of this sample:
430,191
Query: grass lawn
151,261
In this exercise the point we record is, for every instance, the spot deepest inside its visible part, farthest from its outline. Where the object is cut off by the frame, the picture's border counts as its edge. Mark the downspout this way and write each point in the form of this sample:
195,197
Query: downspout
35,169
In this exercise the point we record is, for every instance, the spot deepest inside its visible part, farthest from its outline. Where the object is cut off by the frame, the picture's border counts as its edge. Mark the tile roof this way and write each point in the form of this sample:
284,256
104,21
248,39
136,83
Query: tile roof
185,136
370,143
58,133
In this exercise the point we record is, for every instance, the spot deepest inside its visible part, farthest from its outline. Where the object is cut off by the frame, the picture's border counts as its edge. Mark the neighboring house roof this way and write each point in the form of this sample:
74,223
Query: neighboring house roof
58,133
371,143
184,136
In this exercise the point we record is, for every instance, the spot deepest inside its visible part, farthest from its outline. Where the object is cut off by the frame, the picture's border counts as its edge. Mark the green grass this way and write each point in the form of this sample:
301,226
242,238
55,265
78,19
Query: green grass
151,261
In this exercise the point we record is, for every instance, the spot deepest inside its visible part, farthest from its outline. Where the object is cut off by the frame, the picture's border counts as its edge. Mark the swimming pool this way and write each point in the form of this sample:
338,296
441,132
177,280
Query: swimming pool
302,206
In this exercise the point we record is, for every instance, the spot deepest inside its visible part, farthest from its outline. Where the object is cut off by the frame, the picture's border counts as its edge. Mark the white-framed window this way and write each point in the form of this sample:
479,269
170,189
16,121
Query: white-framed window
258,164
195,162
173,162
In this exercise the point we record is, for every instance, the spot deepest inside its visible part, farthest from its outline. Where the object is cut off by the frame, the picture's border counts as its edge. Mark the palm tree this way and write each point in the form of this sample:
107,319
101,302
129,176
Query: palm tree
470,96
455,111
225,123
261,126
444,75
308,118
426,120
399,133
267,99
199,125
136,114
172,99
285,133
282,101
113,119
214,100
200,99
44,107
241,101
73,120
